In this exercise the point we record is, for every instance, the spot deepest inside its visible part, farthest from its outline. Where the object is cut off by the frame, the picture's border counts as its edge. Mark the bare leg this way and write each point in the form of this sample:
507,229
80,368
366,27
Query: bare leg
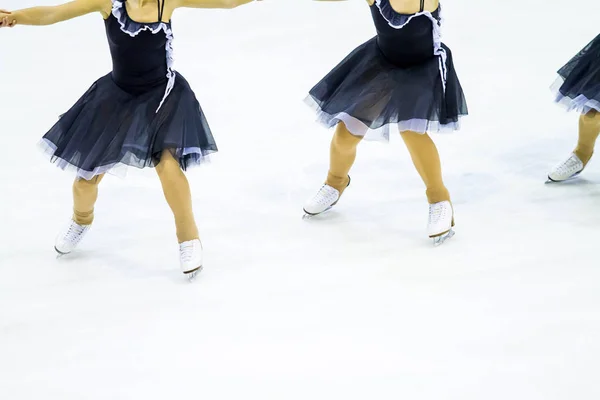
177,193
426,159
342,155
85,194
589,129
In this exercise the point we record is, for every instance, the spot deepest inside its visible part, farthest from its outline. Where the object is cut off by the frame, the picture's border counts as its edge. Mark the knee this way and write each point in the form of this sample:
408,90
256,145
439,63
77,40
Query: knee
167,165
415,138
591,118
85,186
408,135
413,134
345,141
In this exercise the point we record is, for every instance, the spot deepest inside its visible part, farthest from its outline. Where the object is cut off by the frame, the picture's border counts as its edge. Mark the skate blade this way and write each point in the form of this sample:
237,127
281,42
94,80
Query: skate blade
439,240
59,254
550,181
191,276
308,216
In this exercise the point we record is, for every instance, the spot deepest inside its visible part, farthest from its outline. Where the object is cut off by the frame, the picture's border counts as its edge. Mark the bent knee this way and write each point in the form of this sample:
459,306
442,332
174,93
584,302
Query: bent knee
412,135
592,117
84,185
167,163
343,138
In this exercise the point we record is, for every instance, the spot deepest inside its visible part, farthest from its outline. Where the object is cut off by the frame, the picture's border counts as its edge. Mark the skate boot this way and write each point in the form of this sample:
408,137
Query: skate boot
190,257
441,221
324,200
69,237
566,170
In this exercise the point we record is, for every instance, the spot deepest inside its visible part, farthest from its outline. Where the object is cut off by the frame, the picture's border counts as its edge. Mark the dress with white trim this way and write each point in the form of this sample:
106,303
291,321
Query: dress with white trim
403,78
578,84
131,115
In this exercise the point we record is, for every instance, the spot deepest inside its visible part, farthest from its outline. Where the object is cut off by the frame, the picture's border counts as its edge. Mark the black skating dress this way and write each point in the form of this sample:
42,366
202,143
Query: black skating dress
128,117
402,78
578,84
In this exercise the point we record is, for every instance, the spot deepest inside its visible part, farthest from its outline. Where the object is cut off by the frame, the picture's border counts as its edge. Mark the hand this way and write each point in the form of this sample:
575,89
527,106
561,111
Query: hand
5,19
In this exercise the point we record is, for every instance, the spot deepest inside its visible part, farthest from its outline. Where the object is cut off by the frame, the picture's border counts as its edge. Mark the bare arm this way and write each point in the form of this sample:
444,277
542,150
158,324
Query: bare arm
211,3
53,14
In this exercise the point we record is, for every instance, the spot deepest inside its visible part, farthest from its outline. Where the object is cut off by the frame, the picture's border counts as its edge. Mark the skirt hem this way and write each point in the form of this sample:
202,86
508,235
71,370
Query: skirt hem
188,157
579,103
359,128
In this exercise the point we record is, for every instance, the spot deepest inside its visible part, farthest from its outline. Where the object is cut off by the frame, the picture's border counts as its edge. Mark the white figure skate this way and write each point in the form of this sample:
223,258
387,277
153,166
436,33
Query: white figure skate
566,170
323,201
69,237
441,222
190,257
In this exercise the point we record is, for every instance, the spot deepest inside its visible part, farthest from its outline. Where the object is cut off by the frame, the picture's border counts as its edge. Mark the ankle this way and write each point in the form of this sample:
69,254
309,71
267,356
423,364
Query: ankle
437,195
584,154
337,182
83,218
183,237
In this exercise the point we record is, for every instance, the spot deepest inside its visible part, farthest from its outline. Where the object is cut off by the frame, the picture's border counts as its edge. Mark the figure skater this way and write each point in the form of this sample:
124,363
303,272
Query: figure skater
403,77
142,114
578,88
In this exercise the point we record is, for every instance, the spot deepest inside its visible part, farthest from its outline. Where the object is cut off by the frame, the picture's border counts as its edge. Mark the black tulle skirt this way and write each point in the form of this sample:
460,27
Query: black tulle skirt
370,94
109,127
578,84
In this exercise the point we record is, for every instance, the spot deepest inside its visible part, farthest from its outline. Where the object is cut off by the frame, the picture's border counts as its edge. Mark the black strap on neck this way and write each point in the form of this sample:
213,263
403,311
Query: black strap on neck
422,5
161,9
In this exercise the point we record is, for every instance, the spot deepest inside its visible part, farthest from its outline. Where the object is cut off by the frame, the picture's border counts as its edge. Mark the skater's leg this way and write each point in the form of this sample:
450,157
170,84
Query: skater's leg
426,159
342,155
177,193
85,194
589,129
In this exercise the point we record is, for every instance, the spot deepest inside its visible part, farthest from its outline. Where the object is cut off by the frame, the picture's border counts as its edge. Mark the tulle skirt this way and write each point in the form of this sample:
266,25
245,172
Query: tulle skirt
110,127
371,95
578,84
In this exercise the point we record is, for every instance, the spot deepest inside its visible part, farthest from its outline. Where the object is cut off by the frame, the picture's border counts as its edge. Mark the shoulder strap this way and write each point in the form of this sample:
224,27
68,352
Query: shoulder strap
422,5
161,9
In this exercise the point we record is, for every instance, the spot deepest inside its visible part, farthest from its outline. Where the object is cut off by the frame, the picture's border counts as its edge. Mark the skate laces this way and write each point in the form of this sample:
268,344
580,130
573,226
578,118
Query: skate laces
570,166
186,250
325,195
74,233
437,212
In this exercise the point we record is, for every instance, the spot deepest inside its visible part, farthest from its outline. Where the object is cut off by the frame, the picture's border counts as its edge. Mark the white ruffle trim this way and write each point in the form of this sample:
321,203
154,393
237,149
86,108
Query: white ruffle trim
388,13
117,11
580,103
119,168
358,128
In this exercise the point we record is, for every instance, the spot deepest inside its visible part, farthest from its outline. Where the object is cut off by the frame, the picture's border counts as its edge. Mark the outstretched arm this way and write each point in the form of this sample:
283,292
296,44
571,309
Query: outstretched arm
51,15
212,3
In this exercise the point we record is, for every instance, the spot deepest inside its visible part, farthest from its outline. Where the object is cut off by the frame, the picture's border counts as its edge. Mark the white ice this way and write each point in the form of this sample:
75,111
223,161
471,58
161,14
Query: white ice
356,304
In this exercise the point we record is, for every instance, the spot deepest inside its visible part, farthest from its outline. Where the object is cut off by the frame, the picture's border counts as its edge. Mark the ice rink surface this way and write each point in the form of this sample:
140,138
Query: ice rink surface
355,304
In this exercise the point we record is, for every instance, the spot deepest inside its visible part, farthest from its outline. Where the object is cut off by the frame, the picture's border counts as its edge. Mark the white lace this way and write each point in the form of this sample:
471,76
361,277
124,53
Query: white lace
187,250
74,233
325,196
437,212
568,168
